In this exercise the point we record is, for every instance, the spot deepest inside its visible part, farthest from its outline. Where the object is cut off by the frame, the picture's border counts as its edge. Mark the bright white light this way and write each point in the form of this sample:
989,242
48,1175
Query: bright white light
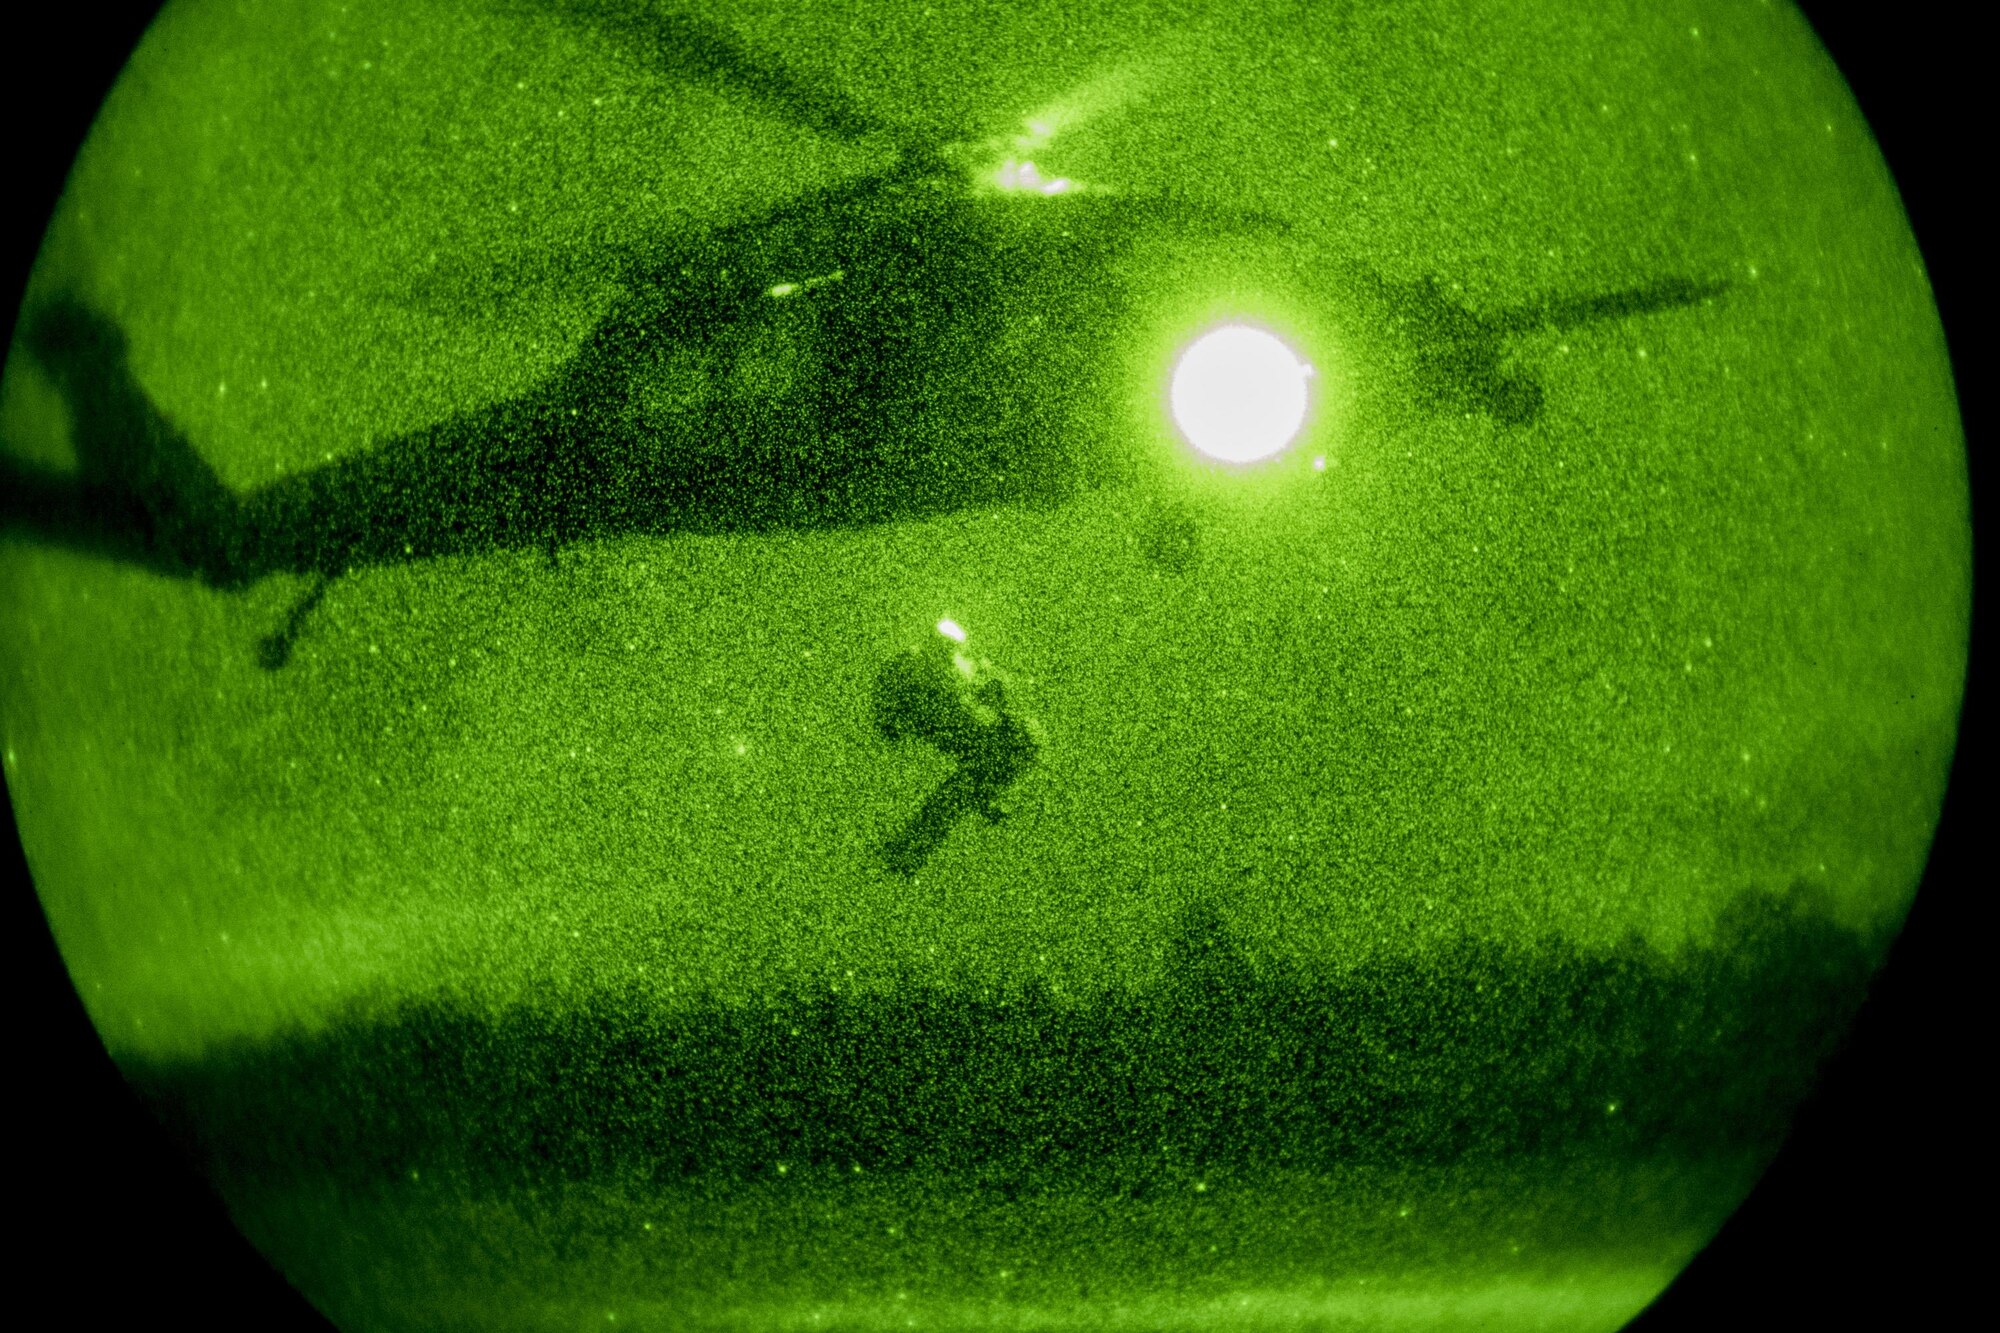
1017,177
951,629
1239,393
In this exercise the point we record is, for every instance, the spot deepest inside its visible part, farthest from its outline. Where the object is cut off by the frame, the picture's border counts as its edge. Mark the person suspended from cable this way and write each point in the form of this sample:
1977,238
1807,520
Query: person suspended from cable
942,695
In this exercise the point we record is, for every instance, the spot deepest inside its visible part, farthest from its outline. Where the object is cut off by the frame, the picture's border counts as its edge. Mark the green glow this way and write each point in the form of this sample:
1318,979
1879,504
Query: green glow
482,489
1239,394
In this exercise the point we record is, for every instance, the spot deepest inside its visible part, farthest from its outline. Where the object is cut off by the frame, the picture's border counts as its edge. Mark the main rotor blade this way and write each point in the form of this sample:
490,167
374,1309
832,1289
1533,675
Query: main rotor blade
1569,312
701,51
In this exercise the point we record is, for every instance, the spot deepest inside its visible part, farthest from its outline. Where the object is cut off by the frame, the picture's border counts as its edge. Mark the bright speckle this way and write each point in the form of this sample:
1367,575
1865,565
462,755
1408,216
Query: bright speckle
951,629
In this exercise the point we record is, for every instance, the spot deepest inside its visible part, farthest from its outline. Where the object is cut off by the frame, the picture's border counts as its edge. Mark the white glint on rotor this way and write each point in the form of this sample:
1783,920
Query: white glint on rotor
1239,393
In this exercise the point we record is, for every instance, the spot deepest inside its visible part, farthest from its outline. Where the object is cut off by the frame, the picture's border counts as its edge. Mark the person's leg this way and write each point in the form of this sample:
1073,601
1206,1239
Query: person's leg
927,829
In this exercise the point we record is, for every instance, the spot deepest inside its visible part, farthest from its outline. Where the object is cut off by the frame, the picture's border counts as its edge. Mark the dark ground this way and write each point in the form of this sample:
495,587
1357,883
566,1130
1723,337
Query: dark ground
1534,1132
1852,1226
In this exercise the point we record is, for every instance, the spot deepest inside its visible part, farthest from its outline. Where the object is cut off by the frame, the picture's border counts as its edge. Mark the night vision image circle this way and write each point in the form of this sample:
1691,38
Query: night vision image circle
848,666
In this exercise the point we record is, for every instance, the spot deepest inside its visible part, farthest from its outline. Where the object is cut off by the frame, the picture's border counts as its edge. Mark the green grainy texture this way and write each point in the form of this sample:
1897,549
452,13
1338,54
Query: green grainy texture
1602,639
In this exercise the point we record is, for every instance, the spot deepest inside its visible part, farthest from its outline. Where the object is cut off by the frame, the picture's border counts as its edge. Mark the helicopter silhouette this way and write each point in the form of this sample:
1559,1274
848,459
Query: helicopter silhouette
894,346
1462,356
